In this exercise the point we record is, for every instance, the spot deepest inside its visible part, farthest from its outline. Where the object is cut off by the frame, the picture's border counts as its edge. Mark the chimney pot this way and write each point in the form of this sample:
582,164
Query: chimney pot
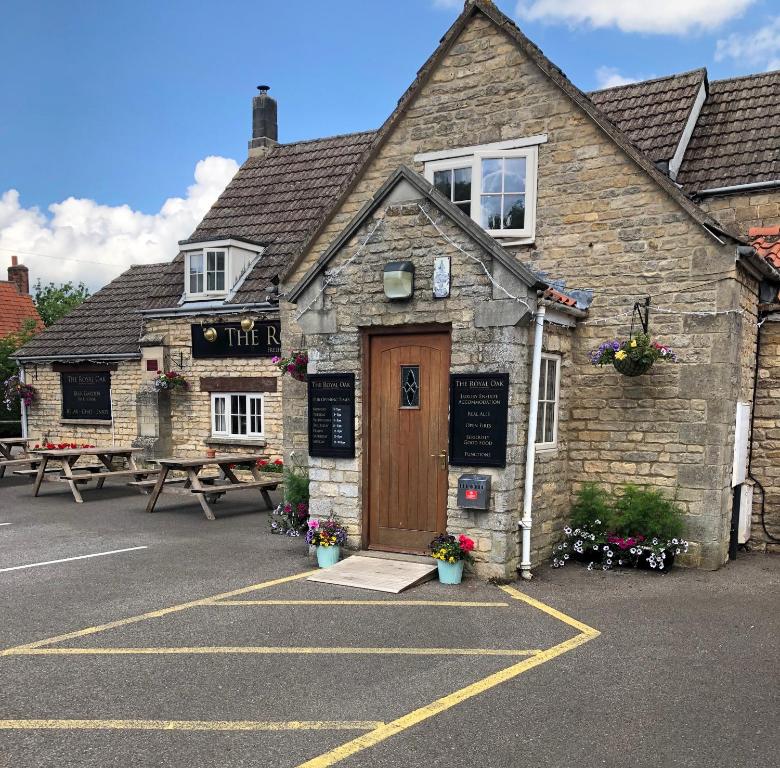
264,123
19,274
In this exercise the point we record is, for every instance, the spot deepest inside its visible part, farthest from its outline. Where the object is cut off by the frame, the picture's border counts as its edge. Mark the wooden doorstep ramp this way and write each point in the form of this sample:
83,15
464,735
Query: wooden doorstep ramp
380,574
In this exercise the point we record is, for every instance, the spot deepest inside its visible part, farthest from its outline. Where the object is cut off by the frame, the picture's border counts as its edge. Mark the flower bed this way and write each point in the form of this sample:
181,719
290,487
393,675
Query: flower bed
635,528
61,446
290,518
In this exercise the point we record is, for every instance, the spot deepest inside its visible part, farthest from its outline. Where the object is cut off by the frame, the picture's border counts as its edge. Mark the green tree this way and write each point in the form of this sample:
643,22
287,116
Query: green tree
9,419
55,301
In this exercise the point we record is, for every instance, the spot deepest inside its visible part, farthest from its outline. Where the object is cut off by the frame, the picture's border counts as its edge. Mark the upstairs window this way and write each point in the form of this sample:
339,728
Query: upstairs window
207,270
213,269
494,184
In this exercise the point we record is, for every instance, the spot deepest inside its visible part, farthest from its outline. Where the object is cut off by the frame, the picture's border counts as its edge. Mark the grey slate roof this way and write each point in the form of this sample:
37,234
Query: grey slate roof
107,323
276,200
652,113
737,137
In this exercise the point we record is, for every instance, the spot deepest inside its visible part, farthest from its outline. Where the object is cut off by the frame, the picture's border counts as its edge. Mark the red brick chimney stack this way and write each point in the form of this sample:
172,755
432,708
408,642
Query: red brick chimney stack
19,274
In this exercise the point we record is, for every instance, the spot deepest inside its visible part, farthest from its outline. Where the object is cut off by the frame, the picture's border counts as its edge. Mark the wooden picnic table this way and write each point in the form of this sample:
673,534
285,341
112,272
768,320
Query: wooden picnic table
211,488
9,459
69,457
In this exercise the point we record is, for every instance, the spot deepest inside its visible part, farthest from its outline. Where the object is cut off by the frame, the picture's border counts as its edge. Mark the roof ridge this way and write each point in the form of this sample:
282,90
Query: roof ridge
703,70
747,77
327,138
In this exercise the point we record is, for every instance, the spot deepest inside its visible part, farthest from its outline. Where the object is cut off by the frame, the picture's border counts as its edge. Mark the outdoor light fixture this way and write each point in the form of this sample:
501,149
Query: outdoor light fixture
247,324
210,334
399,279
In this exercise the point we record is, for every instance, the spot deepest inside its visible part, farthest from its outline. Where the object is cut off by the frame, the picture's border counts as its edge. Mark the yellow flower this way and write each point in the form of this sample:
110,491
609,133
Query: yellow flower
452,559
621,354
633,342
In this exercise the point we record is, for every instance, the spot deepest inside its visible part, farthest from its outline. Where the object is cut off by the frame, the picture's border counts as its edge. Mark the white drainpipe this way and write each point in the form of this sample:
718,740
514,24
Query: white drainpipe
530,450
23,406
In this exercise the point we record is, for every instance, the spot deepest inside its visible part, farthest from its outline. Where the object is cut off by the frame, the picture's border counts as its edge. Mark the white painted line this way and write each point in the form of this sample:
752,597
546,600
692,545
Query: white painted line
68,559
5,523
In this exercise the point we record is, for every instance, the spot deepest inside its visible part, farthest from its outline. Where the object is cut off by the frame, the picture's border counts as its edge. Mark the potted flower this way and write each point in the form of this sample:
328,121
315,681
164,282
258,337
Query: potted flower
16,391
452,554
171,380
275,467
296,365
328,536
634,356
291,516
634,528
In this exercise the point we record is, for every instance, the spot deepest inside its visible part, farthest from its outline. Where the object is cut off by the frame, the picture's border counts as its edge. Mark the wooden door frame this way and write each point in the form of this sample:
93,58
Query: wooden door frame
366,334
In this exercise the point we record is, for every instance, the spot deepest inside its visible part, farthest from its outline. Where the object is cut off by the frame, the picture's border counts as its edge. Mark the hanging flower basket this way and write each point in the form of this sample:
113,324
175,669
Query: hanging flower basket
171,381
296,365
634,356
15,392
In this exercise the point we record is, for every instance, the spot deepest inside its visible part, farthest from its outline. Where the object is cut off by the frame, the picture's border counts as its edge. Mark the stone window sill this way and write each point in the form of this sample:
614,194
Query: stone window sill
256,443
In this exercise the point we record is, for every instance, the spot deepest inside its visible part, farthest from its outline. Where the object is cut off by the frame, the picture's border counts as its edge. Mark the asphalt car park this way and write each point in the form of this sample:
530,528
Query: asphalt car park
167,639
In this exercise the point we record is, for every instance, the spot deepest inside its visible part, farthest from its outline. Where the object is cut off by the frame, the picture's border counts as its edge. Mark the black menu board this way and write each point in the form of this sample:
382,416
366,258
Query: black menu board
86,396
479,408
332,415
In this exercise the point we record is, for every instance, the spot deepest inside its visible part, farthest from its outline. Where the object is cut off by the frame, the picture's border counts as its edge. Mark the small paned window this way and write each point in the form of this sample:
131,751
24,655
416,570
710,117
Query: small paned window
410,386
455,185
237,415
503,193
549,396
196,272
215,270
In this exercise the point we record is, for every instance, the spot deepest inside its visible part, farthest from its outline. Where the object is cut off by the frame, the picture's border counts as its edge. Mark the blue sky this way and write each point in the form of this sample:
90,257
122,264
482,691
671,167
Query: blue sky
115,103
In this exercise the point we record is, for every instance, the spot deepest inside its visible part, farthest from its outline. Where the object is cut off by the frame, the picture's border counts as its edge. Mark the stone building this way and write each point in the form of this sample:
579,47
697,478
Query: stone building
474,250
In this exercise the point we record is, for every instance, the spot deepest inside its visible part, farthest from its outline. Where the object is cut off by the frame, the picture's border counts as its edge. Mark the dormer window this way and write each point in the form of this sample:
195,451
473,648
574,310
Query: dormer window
215,269
494,184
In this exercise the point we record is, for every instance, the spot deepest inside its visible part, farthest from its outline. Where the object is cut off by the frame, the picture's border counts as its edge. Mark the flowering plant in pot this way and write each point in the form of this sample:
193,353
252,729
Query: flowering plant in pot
295,365
171,380
328,536
635,528
16,391
452,554
275,467
291,516
633,356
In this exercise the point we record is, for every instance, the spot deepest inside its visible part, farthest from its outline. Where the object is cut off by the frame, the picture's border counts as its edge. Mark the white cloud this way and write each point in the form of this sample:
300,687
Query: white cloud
609,77
80,231
760,49
675,17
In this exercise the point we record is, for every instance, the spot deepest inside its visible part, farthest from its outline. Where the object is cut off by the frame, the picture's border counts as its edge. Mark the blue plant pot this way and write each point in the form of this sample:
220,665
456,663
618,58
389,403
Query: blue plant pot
450,573
327,556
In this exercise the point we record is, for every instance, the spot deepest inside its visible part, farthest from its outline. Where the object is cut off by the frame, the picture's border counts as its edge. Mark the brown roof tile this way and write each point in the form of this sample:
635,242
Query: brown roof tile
108,322
737,137
766,241
652,113
15,309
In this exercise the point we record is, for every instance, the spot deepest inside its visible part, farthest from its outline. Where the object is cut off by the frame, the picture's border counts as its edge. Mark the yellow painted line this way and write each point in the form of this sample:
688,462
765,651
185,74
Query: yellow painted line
383,603
190,725
393,728
153,614
249,649
518,595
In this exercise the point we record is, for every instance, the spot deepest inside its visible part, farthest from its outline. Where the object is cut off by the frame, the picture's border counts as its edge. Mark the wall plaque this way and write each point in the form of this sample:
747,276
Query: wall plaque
332,415
86,395
264,340
479,408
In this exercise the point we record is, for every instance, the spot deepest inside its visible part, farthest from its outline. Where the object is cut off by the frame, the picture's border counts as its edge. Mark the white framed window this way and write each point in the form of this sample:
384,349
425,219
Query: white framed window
207,272
212,269
237,415
495,187
549,399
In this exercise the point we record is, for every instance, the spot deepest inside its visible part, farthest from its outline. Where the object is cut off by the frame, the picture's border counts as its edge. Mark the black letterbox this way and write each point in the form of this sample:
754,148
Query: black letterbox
474,491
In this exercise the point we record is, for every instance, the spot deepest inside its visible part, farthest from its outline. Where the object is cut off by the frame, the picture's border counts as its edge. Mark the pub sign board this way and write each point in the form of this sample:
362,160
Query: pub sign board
479,410
86,395
332,415
264,340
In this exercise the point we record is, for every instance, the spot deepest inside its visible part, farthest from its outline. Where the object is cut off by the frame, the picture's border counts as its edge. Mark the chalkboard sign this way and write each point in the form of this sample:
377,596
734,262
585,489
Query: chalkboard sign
479,407
229,340
86,395
332,415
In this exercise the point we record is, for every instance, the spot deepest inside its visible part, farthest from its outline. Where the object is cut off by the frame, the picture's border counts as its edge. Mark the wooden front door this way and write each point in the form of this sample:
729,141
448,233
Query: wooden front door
408,396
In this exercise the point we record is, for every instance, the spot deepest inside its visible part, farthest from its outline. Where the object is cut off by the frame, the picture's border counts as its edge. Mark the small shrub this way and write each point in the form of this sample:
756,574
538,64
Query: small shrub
296,486
593,508
290,518
646,512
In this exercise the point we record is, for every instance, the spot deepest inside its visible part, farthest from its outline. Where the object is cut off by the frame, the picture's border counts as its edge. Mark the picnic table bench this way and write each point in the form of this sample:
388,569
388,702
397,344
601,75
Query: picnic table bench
210,488
69,457
9,460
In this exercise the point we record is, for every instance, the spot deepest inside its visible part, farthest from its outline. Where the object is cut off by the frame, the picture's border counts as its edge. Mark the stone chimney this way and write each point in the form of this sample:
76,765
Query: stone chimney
264,126
19,274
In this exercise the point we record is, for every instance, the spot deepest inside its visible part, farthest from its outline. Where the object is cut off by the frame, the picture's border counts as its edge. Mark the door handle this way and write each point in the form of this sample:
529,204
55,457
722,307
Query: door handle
442,456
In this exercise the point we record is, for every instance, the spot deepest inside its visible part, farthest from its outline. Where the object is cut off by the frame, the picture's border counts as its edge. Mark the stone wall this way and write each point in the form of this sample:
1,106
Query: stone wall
357,301
190,412
766,436
44,417
602,224
745,210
